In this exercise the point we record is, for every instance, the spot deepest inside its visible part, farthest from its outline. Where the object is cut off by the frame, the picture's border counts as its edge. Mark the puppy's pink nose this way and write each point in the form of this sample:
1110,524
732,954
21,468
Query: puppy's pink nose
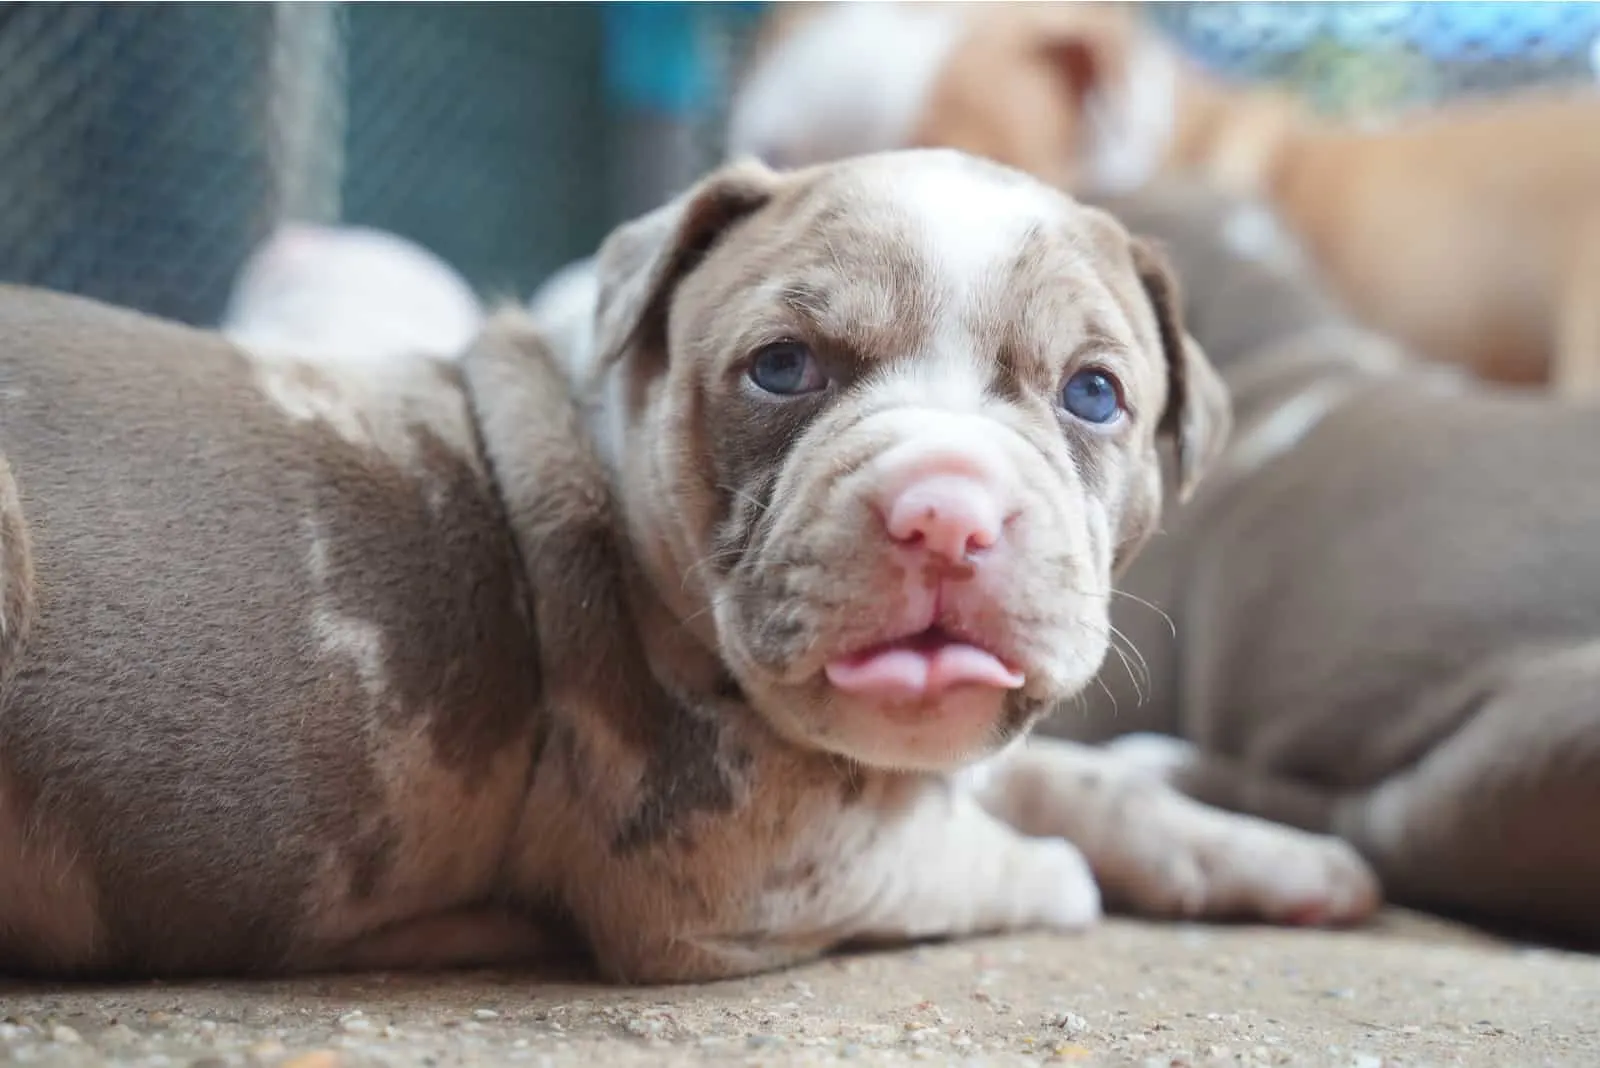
948,515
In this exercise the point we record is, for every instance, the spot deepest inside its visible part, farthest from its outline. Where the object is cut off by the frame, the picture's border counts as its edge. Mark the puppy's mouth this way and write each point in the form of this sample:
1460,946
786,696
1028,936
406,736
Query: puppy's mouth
920,667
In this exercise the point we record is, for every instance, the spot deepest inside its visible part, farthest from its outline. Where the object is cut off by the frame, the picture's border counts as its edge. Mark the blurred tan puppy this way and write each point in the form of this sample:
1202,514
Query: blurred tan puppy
1472,234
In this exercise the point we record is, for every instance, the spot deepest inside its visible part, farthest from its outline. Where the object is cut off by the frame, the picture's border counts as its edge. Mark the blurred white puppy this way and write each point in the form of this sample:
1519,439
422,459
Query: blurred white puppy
351,293
563,309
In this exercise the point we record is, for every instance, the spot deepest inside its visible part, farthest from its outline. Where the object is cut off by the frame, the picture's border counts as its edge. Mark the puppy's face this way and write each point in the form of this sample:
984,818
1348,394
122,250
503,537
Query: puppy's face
888,429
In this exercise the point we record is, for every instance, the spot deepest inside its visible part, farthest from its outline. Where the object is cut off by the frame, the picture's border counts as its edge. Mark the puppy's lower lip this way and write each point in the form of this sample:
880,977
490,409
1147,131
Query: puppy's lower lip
925,665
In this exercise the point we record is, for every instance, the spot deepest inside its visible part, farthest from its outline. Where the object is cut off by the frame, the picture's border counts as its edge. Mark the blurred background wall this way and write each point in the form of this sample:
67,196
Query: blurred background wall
147,147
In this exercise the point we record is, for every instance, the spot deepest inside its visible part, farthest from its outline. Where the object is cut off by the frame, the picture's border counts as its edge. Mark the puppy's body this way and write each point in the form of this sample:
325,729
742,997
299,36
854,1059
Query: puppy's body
1386,601
1469,232
374,662
266,699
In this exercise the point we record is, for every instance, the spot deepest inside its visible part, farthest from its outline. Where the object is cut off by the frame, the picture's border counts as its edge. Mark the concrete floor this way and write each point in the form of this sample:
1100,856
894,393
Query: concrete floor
1406,991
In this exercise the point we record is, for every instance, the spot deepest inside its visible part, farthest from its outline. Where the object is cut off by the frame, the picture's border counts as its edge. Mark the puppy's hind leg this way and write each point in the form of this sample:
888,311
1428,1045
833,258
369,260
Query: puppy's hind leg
16,575
1500,821
49,914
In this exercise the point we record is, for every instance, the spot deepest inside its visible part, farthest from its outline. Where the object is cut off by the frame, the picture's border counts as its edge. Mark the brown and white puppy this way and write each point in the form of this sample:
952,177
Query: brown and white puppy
356,662
1471,232
1386,599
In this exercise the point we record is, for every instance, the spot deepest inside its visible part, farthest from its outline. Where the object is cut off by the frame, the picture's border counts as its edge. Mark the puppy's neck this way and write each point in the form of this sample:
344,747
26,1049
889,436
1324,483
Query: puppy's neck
678,654
603,625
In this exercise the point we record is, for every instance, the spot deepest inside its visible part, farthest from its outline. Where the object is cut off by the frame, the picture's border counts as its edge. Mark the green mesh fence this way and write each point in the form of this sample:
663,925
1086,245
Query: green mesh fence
148,147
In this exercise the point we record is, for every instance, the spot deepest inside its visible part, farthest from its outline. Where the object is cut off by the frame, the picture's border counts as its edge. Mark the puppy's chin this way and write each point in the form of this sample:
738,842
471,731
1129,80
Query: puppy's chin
939,733
934,701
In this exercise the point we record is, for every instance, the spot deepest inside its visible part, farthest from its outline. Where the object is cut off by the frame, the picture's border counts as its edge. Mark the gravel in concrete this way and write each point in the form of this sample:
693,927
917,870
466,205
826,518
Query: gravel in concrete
1405,992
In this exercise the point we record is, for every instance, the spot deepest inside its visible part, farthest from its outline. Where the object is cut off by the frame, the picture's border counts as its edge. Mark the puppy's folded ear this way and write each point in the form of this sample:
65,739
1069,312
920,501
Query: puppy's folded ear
1199,413
1091,55
642,261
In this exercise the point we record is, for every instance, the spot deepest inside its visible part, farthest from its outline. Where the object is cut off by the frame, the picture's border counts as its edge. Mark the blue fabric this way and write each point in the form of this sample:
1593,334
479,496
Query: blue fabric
1504,30
656,54
1441,31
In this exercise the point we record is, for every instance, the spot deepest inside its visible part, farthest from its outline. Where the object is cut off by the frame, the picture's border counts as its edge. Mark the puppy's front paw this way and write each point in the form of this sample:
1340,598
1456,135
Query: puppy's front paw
1181,858
1161,756
1054,886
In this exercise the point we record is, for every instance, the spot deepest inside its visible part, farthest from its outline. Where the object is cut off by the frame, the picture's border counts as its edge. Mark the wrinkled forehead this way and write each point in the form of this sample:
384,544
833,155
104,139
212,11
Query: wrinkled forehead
943,252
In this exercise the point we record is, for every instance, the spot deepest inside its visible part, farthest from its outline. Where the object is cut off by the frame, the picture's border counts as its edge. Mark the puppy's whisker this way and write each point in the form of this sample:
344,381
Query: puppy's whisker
1098,681
692,616
706,561
1144,665
1128,666
761,507
1138,668
1171,626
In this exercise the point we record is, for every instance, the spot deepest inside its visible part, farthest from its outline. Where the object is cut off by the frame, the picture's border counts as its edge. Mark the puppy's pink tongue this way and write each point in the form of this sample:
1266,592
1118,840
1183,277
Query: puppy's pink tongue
899,673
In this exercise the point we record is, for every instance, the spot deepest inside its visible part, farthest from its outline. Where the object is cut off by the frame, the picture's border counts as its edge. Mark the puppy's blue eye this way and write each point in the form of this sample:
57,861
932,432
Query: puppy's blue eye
1093,396
787,368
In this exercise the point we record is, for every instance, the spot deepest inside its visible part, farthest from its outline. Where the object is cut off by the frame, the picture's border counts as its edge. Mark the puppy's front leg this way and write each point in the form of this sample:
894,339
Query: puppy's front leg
944,867
1157,852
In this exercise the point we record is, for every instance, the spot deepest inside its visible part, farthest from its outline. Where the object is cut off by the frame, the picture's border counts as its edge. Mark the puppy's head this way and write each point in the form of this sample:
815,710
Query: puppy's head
888,428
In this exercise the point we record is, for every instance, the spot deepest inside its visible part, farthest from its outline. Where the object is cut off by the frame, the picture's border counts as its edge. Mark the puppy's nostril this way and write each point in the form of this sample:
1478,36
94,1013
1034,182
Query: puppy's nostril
913,540
943,519
981,539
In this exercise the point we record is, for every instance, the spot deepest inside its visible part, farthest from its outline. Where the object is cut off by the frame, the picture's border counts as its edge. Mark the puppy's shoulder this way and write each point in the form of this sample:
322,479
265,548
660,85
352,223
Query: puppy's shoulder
531,428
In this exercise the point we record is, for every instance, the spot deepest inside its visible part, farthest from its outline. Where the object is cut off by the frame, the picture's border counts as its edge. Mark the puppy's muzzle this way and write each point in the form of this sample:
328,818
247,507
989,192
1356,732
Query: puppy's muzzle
944,510
944,507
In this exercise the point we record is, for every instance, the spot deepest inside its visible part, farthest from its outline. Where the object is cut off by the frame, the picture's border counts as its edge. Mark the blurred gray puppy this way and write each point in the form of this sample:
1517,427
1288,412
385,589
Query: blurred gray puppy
1386,599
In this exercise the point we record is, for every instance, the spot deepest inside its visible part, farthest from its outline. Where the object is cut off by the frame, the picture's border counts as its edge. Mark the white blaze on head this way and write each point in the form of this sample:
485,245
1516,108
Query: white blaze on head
349,293
970,235
852,80
970,231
